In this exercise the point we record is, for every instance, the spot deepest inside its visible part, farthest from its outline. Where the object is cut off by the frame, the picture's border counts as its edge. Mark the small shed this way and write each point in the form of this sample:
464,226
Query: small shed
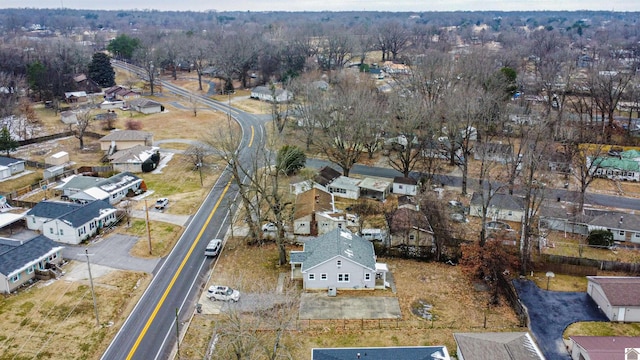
53,171
146,106
58,158
405,186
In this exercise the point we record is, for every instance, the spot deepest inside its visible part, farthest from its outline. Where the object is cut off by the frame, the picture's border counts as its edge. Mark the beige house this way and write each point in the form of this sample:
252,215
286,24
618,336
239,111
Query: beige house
125,139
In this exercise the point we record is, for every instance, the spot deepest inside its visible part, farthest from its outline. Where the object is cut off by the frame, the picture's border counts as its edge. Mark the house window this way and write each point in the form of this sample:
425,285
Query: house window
339,225
30,269
312,276
510,213
338,263
367,277
51,230
400,187
412,237
15,278
636,235
33,220
61,232
621,232
343,277
323,276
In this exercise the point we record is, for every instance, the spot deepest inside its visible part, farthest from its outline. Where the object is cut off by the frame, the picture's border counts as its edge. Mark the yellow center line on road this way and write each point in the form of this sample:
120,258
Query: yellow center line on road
253,132
175,276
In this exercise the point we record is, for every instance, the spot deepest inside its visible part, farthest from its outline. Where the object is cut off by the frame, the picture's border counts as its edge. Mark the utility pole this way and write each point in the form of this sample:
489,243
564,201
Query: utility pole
93,293
146,209
178,333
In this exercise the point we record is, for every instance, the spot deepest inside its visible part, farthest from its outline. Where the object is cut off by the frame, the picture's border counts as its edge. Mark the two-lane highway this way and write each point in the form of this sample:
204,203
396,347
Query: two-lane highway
150,330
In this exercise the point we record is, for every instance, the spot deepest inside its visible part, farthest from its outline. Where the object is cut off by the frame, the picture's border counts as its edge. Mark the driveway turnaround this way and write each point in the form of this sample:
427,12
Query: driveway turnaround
113,252
317,306
550,312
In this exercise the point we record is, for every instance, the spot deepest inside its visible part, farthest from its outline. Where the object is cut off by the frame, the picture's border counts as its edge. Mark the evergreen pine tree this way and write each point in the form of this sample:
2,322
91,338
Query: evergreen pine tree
101,71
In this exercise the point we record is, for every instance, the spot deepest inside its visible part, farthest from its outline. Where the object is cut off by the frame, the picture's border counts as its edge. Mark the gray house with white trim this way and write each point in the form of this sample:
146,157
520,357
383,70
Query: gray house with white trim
19,260
338,260
70,223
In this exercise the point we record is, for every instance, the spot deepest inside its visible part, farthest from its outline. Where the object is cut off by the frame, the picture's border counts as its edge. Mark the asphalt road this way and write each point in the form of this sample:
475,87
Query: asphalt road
456,181
150,330
550,312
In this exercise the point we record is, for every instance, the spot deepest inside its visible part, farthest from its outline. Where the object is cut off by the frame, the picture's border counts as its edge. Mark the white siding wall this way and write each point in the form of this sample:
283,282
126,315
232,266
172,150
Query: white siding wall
404,189
596,293
356,275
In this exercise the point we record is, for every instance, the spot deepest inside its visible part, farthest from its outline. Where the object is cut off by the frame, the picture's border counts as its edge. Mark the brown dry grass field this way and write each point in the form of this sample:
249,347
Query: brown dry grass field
55,318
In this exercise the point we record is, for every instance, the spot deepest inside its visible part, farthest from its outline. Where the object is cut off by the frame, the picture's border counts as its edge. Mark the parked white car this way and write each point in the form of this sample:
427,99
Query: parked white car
223,293
162,203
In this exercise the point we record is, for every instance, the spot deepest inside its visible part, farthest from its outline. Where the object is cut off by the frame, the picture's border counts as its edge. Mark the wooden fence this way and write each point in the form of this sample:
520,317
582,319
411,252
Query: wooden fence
581,266
384,324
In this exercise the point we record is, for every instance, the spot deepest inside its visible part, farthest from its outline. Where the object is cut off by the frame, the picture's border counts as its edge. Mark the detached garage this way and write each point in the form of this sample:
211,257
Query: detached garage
617,296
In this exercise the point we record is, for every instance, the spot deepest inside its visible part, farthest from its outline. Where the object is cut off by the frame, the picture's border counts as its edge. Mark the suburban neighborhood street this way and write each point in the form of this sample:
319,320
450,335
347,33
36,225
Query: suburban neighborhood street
149,331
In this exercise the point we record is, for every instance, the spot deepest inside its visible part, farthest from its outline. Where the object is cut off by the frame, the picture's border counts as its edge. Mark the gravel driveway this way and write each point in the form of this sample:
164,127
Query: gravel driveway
550,312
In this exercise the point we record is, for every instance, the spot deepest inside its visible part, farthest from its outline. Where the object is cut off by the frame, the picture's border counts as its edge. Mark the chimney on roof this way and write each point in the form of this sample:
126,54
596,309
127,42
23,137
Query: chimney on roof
621,218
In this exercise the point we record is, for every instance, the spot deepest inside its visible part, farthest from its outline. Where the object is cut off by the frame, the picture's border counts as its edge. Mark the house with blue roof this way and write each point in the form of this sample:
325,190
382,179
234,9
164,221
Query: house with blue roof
19,260
45,211
70,223
338,260
382,353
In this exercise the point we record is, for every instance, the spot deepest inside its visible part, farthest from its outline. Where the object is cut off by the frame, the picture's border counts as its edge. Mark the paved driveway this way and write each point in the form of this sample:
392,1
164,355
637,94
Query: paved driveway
550,312
113,252
321,306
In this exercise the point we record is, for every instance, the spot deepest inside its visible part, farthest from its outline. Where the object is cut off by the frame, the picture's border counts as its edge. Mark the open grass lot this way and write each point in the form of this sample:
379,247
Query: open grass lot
55,320
456,305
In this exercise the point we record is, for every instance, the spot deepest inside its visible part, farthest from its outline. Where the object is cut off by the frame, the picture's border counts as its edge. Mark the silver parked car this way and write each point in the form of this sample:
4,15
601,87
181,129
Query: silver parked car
223,293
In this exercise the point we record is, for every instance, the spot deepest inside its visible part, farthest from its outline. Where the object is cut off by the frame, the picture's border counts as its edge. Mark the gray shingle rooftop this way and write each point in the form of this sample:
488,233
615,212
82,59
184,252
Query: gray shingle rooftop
336,243
498,346
382,353
52,209
6,161
16,256
500,201
86,213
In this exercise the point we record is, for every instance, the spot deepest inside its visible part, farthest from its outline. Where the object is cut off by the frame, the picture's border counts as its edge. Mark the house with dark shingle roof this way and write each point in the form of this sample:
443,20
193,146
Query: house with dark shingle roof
70,223
19,260
497,346
604,347
382,353
624,226
338,260
45,211
617,296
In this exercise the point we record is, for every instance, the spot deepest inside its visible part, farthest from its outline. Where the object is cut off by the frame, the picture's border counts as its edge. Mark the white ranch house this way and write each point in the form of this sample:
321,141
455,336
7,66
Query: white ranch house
338,260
